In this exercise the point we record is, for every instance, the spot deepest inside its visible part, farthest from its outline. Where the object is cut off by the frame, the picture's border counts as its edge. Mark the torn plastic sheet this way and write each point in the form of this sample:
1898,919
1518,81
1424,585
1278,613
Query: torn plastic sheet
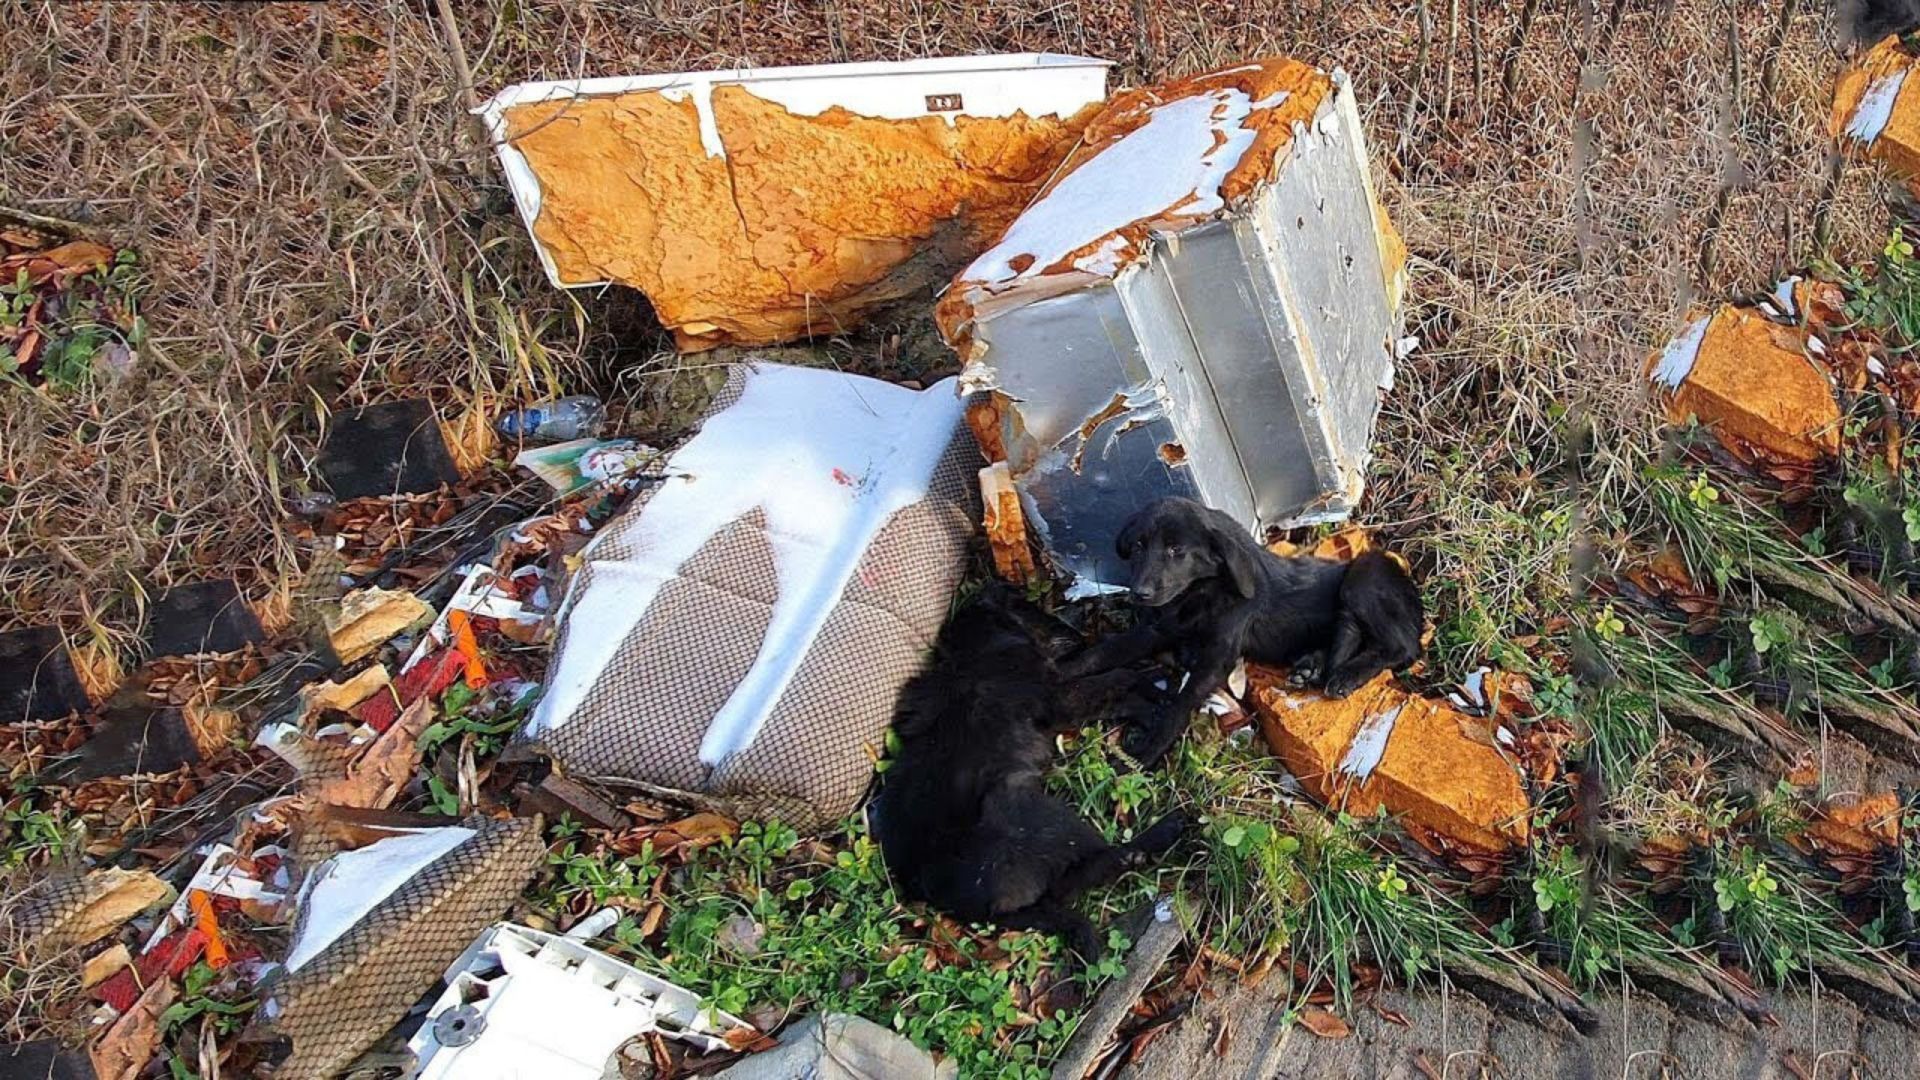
522,1002
220,875
1222,329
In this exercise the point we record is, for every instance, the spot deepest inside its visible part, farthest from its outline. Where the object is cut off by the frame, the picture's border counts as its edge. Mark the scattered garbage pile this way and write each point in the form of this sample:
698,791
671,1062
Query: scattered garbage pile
343,801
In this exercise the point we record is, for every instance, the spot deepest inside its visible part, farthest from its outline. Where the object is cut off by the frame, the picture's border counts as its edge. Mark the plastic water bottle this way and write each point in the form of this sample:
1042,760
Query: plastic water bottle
578,417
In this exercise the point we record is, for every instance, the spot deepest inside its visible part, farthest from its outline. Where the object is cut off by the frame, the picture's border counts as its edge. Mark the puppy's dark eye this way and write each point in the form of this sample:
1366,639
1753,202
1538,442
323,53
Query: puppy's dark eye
1175,550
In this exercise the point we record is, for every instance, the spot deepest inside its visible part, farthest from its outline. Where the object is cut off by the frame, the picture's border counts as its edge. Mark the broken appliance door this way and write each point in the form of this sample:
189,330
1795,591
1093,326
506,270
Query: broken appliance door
761,205
1204,303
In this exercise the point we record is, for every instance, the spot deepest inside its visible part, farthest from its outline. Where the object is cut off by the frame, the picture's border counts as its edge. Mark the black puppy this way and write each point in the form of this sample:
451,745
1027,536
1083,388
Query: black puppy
1215,596
963,818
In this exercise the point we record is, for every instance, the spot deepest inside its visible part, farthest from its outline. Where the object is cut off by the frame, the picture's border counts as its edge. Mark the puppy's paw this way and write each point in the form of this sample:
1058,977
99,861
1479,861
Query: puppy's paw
1309,670
1163,834
1148,743
1342,683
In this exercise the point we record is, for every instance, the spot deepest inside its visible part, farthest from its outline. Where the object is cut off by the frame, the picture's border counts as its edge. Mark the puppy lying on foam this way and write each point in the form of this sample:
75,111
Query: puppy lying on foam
1213,596
963,818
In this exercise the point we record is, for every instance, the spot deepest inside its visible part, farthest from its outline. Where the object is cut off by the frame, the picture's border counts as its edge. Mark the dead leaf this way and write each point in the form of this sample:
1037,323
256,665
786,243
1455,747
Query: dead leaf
1426,1066
704,826
1324,1024
126,1048
1391,1016
382,772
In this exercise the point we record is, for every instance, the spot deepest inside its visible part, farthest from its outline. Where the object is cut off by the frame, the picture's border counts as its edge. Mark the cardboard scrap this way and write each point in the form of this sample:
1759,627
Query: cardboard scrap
122,1053
331,696
1751,380
64,914
388,764
369,618
1432,767
102,967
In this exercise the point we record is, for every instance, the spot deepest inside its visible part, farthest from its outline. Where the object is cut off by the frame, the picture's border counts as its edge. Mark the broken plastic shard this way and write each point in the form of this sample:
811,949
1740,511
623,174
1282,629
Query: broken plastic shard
523,1002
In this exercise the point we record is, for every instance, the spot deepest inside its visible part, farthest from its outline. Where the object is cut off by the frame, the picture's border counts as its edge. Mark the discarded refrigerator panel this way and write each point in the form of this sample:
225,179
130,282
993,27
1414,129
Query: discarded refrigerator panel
756,206
1204,302
735,638
523,1002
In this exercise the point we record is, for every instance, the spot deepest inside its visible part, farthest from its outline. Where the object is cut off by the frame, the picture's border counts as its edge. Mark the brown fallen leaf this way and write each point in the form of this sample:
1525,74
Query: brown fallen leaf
1324,1024
1426,1066
380,774
126,1048
1223,1038
1391,1016
704,827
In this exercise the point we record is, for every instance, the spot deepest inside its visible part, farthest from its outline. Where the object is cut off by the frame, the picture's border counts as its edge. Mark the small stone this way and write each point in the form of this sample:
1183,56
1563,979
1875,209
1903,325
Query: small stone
742,936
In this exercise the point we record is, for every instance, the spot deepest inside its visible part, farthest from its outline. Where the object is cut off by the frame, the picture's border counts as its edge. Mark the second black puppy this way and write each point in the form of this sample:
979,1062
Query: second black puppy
1215,596
963,817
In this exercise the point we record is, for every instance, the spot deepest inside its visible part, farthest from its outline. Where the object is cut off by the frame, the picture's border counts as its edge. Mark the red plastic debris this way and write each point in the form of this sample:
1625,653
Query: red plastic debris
170,959
430,676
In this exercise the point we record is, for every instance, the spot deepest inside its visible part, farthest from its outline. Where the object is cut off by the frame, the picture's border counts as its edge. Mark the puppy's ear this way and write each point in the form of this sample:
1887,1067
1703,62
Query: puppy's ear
1237,552
1128,541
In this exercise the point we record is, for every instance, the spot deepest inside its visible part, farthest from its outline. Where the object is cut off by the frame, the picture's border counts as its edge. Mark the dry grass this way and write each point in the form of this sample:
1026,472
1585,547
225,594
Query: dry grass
322,229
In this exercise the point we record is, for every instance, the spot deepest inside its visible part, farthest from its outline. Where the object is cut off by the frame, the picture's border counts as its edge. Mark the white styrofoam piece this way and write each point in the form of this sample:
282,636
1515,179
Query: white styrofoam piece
550,1006
1676,362
1172,165
1876,108
1037,84
347,886
867,453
